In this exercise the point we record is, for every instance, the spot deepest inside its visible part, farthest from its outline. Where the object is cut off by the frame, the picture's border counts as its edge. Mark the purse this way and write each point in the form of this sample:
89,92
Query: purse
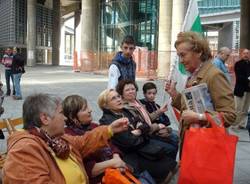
151,151
115,176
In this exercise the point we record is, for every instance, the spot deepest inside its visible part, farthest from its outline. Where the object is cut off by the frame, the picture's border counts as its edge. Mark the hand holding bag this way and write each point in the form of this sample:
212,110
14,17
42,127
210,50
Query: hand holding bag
208,155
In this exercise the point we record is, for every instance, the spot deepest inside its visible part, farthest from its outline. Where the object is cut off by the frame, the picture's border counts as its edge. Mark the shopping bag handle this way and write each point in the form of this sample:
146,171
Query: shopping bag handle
213,122
131,177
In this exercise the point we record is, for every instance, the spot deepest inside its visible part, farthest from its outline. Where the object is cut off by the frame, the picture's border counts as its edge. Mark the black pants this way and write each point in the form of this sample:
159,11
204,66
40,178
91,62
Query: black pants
158,169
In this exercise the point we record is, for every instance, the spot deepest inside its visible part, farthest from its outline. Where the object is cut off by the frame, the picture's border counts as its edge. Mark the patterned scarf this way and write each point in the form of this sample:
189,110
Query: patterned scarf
57,144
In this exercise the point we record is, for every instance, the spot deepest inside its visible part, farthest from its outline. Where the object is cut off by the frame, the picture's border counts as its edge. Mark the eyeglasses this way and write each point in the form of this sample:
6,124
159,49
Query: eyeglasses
115,97
130,48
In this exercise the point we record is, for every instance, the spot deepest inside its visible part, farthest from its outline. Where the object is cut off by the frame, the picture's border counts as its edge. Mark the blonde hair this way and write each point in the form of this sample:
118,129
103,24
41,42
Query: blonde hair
198,43
103,98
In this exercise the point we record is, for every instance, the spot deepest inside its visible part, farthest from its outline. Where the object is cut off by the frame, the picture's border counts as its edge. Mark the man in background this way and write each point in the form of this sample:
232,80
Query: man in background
7,62
123,67
220,60
242,88
17,71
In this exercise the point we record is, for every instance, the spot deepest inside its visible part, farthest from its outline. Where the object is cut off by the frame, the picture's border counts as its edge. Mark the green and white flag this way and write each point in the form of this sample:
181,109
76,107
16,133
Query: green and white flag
191,22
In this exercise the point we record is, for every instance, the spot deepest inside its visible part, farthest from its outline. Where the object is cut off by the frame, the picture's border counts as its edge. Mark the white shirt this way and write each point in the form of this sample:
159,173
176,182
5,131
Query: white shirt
114,75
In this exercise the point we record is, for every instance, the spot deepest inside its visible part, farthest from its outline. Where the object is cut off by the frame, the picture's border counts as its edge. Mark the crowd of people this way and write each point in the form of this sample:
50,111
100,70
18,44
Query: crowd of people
60,143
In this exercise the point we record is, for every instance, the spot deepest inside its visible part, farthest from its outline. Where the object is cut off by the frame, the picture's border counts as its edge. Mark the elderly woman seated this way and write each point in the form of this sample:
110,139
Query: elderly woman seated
139,150
41,153
79,121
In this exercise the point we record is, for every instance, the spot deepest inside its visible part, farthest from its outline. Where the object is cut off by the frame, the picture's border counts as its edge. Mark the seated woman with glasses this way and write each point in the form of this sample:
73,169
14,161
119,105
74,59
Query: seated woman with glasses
79,121
135,143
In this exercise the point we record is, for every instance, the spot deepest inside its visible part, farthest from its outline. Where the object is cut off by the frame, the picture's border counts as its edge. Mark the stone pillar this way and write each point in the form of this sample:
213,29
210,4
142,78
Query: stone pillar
56,33
225,36
31,32
89,27
177,21
77,41
244,24
164,38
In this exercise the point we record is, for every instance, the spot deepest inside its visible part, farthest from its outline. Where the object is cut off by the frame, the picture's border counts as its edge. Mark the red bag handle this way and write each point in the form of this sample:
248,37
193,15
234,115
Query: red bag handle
212,121
131,177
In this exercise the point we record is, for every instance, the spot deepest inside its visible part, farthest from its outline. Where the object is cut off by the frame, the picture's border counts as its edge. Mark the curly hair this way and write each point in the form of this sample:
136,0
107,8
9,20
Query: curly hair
198,44
120,86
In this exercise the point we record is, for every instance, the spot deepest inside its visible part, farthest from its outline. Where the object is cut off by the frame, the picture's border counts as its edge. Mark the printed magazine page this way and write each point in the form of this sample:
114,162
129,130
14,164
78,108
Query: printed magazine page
197,98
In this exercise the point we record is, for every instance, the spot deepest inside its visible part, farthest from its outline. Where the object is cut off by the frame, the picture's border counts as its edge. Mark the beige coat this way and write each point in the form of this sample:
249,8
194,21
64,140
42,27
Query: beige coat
30,160
220,91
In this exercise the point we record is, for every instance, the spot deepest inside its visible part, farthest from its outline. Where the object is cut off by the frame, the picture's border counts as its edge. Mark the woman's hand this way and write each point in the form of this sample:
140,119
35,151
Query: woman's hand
190,116
170,88
163,132
119,125
161,126
118,162
136,132
164,108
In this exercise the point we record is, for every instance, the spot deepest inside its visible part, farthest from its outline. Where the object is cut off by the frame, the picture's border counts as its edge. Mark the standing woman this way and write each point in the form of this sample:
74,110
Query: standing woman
196,56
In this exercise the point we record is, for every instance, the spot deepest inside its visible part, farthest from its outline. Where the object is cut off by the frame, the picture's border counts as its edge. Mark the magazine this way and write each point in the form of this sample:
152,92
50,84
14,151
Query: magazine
198,99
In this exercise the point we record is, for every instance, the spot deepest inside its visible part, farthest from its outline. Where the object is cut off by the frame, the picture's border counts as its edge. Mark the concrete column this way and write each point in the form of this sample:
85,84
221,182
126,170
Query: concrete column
89,26
244,24
226,35
177,21
31,32
56,33
77,49
164,38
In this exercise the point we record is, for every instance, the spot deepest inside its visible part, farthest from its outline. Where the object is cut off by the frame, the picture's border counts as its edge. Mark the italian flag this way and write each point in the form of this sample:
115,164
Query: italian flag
192,22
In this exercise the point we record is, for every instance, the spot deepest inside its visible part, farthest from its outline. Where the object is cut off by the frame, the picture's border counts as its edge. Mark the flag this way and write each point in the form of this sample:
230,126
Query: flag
192,22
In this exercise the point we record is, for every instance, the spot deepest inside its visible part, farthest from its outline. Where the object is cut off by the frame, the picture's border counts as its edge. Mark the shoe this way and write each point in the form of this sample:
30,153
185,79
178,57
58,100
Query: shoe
17,98
241,127
7,94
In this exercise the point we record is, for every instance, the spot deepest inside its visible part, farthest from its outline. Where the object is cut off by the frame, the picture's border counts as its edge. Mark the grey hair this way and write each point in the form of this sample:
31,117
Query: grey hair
36,104
222,49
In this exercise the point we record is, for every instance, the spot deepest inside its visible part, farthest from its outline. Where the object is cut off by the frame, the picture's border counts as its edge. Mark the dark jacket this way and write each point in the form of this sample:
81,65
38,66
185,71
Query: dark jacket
242,72
127,67
152,107
126,141
131,144
17,64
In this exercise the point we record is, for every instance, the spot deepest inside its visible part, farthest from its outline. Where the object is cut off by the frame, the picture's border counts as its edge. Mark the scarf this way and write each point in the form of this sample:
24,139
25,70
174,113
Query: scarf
57,144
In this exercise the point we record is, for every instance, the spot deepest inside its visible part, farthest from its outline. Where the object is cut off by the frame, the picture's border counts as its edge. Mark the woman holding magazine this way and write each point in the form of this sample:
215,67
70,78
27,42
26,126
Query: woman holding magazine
195,55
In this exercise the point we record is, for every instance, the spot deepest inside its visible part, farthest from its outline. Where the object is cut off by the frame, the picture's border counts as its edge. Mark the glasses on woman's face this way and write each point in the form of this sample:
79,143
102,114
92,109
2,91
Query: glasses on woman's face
116,97
128,48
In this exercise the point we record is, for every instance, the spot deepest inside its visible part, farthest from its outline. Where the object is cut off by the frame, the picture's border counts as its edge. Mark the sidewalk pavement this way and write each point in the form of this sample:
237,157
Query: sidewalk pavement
62,81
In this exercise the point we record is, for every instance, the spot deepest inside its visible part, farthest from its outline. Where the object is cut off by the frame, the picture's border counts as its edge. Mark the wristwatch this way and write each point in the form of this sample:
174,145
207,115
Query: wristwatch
201,117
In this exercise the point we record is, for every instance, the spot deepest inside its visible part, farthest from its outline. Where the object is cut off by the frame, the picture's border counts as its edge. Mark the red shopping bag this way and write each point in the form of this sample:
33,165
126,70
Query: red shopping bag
208,155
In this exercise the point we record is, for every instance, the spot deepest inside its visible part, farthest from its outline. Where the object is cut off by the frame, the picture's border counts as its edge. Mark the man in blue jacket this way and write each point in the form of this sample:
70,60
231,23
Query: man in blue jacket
220,60
123,67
